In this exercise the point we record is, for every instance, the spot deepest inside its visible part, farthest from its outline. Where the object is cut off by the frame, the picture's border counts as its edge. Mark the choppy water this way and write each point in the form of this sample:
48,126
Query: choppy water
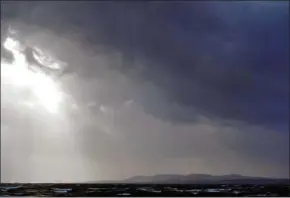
95,190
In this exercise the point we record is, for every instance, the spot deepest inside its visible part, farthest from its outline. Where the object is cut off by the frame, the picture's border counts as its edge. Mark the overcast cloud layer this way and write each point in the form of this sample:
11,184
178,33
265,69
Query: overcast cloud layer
155,88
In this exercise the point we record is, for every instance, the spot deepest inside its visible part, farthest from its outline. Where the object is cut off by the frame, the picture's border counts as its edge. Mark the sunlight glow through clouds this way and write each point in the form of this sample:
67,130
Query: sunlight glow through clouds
46,91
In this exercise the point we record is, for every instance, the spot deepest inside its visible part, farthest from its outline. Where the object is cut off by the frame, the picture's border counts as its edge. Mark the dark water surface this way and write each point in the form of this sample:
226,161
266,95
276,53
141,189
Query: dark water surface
155,190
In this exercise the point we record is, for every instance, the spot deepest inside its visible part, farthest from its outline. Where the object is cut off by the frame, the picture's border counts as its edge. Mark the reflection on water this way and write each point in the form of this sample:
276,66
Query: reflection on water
141,190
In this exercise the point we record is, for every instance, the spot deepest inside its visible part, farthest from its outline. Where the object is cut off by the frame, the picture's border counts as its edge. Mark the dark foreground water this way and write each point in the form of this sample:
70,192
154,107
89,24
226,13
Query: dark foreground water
95,190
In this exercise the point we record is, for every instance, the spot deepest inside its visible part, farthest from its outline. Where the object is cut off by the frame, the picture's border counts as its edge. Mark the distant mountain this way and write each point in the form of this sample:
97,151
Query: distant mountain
203,179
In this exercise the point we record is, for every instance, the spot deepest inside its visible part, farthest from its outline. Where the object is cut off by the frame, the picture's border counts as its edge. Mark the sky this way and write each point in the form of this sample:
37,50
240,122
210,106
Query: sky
144,88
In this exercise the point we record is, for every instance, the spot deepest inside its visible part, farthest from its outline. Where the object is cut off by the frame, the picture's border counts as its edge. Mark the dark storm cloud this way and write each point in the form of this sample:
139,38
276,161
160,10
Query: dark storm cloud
229,60
167,87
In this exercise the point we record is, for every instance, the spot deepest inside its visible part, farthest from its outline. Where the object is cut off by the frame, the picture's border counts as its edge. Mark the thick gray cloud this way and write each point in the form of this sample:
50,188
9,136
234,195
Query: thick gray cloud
156,88
198,50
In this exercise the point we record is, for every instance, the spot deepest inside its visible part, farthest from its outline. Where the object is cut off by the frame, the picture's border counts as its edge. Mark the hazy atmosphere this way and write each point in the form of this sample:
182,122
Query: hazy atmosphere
109,90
